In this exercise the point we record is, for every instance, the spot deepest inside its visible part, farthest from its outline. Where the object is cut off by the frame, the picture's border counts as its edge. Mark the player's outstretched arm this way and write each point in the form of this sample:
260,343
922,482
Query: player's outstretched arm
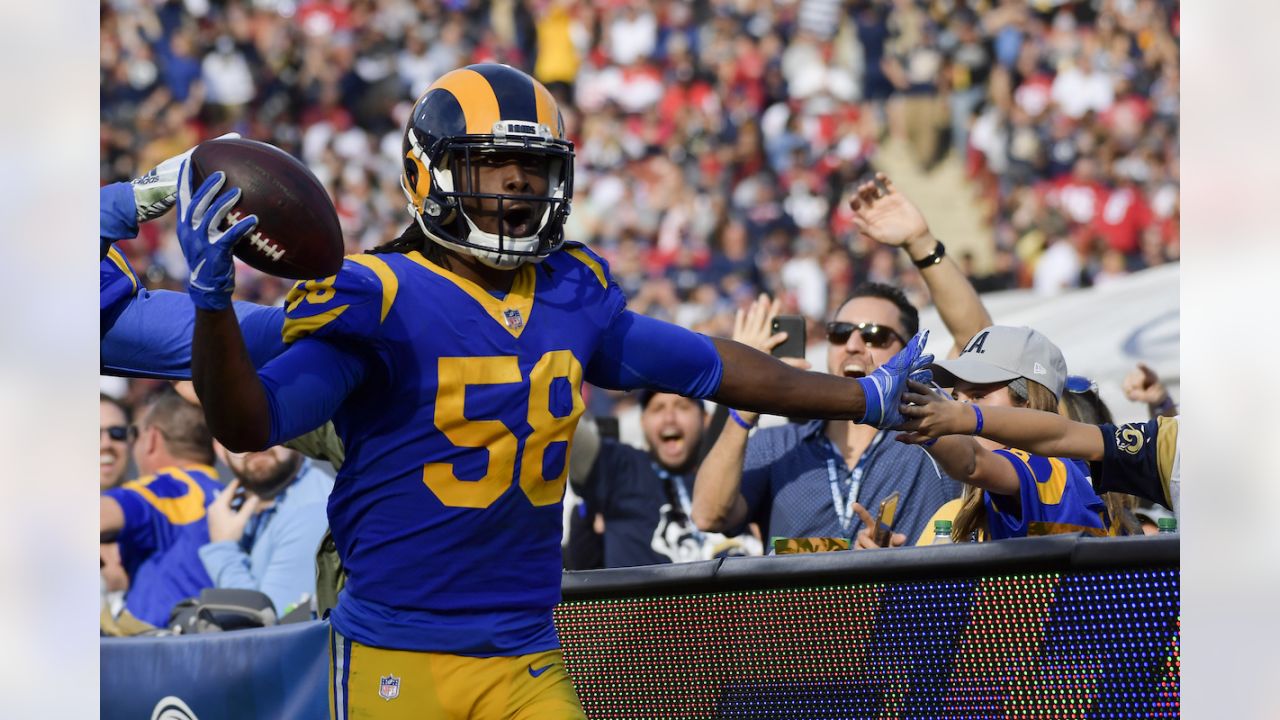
752,380
931,414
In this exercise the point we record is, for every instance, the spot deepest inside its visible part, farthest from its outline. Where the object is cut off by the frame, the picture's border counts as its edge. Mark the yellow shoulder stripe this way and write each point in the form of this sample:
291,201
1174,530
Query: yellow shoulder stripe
590,262
295,328
179,510
1050,491
118,259
390,283
1166,450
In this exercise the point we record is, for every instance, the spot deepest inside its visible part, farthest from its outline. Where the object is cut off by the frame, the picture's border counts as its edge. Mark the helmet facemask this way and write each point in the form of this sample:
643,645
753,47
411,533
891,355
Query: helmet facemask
528,228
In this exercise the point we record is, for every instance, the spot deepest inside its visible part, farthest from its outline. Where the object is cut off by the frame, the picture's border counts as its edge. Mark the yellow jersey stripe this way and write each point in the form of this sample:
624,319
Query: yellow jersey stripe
1166,450
118,259
519,299
179,510
390,283
295,328
1050,491
590,262
476,98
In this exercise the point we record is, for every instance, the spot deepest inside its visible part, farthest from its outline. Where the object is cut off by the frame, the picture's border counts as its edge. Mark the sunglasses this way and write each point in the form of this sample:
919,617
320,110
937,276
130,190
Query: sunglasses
121,433
1080,384
876,336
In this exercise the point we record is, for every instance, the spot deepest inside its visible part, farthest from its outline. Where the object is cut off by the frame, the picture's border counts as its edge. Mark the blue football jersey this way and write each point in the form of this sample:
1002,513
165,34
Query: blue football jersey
446,511
1056,496
164,526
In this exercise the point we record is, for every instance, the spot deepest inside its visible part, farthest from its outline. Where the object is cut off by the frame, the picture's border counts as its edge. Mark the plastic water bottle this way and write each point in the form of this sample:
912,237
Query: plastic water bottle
1167,526
941,532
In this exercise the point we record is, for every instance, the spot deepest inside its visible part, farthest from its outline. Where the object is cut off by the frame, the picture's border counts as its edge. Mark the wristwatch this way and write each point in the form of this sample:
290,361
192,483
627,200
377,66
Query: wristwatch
933,258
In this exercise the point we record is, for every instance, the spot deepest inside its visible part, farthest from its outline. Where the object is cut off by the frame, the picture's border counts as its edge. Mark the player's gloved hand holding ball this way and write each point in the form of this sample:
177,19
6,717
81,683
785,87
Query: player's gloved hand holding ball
883,388
156,191
206,245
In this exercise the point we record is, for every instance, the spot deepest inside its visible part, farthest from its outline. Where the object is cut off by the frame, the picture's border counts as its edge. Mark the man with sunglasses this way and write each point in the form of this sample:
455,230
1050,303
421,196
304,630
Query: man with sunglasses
114,438
159,520
113,441
812,479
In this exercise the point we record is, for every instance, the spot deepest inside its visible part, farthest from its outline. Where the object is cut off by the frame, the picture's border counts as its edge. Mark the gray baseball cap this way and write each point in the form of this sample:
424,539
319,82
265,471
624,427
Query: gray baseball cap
1001,353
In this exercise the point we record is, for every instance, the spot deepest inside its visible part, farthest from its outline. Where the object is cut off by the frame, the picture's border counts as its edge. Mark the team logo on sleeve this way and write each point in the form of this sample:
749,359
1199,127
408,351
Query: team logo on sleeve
514,320
1130,438
389,687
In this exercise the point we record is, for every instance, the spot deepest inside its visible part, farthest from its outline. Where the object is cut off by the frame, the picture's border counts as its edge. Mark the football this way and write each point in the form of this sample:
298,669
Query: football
298,235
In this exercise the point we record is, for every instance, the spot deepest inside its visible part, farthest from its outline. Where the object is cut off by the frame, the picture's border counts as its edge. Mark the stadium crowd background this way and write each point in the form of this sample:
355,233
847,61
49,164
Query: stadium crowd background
716,139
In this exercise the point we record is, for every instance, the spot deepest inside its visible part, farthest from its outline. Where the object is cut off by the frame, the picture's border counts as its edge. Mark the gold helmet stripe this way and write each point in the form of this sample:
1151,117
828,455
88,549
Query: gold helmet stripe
476,97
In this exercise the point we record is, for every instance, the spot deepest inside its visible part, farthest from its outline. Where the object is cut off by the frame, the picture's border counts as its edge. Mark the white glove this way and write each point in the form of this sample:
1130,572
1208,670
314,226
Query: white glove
155,192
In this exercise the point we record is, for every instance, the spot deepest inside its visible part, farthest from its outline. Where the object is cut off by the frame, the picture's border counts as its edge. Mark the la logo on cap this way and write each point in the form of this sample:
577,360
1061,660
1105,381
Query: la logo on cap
1039,369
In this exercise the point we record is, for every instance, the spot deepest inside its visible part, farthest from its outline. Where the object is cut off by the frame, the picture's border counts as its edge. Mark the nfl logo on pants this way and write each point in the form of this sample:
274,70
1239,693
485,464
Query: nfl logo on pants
389,687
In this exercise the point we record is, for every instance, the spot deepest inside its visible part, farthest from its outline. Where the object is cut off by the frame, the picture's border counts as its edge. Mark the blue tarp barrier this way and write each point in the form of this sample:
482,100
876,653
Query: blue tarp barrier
278,673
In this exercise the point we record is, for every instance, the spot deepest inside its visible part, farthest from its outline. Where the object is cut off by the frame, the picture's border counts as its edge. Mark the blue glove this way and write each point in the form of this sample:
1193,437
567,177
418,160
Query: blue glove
883,388
205,243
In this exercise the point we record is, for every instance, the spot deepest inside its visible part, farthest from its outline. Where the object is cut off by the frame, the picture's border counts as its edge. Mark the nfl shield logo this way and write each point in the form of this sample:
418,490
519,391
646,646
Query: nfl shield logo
514,321
389,687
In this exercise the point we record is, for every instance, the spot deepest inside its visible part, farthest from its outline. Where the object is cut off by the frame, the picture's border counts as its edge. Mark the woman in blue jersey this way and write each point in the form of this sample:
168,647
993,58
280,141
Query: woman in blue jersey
1010,493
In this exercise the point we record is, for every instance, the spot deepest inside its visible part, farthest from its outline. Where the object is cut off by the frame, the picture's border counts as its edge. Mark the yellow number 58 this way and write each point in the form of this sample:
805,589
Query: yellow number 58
455,374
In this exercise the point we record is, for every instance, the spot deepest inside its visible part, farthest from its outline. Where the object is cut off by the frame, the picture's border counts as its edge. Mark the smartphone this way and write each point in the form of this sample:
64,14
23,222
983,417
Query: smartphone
793,326
237,500
885,520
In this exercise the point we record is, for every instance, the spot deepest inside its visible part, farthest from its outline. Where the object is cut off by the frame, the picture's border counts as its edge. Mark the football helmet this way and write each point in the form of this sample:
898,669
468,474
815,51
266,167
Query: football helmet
470,112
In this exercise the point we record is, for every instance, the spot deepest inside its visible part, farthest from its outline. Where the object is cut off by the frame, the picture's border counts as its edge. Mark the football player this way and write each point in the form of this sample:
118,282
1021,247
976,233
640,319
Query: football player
451,361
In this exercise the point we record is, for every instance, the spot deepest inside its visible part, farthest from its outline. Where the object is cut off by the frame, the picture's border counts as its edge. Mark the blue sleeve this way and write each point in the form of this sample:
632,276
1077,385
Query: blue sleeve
117,215
151,336
306,384
117,287
640,352
137,537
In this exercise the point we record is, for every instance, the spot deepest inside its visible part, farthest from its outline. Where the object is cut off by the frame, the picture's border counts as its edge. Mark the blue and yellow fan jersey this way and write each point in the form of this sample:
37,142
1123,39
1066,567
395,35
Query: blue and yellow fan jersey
1056,496
456,408
164,526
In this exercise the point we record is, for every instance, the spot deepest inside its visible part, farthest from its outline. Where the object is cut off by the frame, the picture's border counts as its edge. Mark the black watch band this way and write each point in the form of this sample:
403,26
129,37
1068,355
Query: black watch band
933,258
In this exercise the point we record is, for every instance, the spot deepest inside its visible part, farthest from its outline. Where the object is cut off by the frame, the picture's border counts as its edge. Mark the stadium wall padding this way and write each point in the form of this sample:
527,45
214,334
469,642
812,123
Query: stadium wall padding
1061,626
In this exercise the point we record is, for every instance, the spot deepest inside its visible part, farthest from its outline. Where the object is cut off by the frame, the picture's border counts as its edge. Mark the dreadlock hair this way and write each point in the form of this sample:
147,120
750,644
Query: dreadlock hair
412,239
972,516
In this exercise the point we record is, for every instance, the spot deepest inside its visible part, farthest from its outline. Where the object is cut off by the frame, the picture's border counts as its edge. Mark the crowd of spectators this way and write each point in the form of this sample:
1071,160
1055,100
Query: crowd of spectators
717,140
